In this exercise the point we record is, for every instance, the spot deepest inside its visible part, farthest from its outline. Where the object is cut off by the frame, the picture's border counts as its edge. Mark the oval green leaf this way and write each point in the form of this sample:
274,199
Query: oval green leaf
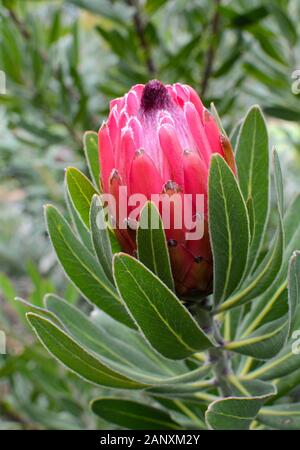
133,415
100,236
73,356
252,159
229,229
81,192
90,145
82,268
152,245
237,413
160,316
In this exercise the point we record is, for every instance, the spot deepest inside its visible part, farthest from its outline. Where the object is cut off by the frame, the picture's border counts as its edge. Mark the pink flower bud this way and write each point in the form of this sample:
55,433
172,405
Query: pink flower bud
159,139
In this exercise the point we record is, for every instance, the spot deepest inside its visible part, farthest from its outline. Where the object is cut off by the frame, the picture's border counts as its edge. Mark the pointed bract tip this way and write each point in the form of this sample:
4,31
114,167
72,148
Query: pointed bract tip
114,175
171,186
139,153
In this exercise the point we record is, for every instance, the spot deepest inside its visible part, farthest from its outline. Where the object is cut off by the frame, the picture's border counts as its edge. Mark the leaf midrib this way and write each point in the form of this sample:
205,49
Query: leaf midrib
83,193
146,419
83,264
254,340
229,235
114,376
157,312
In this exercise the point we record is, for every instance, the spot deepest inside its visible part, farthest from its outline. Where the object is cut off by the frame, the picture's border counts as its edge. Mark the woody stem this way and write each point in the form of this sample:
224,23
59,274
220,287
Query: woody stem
219,358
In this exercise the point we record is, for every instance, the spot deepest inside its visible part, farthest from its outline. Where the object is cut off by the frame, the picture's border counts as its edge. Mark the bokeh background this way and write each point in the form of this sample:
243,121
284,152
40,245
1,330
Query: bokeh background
63,61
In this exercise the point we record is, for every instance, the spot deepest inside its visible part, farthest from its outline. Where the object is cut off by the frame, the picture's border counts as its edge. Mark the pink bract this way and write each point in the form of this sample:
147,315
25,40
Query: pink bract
160,138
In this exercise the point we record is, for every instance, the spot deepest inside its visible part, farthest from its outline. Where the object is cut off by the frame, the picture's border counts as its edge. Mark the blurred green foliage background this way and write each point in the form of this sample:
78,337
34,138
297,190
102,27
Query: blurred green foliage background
63,61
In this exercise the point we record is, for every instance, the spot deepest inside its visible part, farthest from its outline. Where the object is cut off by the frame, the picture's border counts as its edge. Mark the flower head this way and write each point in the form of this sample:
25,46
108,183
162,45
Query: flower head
159,139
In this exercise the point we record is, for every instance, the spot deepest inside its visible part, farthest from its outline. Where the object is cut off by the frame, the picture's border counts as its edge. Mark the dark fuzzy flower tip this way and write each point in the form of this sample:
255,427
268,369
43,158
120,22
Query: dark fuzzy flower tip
155,96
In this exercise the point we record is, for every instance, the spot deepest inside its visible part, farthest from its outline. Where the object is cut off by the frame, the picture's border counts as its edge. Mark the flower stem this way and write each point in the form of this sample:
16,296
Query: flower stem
218,357
220,363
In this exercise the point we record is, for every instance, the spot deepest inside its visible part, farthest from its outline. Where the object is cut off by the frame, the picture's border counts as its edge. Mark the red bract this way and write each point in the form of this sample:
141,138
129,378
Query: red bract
159,139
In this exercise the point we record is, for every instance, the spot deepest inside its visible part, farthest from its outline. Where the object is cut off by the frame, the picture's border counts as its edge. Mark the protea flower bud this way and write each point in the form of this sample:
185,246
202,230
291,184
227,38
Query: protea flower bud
159,139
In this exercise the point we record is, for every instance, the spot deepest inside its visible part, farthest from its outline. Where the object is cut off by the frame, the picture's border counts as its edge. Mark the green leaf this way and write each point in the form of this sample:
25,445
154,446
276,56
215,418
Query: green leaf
244,19
292,228
268,43
265,75
283,364
116,13
132,415
278,182
234,134
252,388
286,384
191,411
80,191
42,312
160,316
7,289
286,361
281,417
125,357
82,232
263,277
252,159
268,271
115,245
217,118
229,229
83,363
263,343
90,145
71,294
285,24
12,58
174,389
152,245
9,293
166,367
283,112
82,268
294,289
152,6
274,300
55,30
237,413
100,236
250,209
231,323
